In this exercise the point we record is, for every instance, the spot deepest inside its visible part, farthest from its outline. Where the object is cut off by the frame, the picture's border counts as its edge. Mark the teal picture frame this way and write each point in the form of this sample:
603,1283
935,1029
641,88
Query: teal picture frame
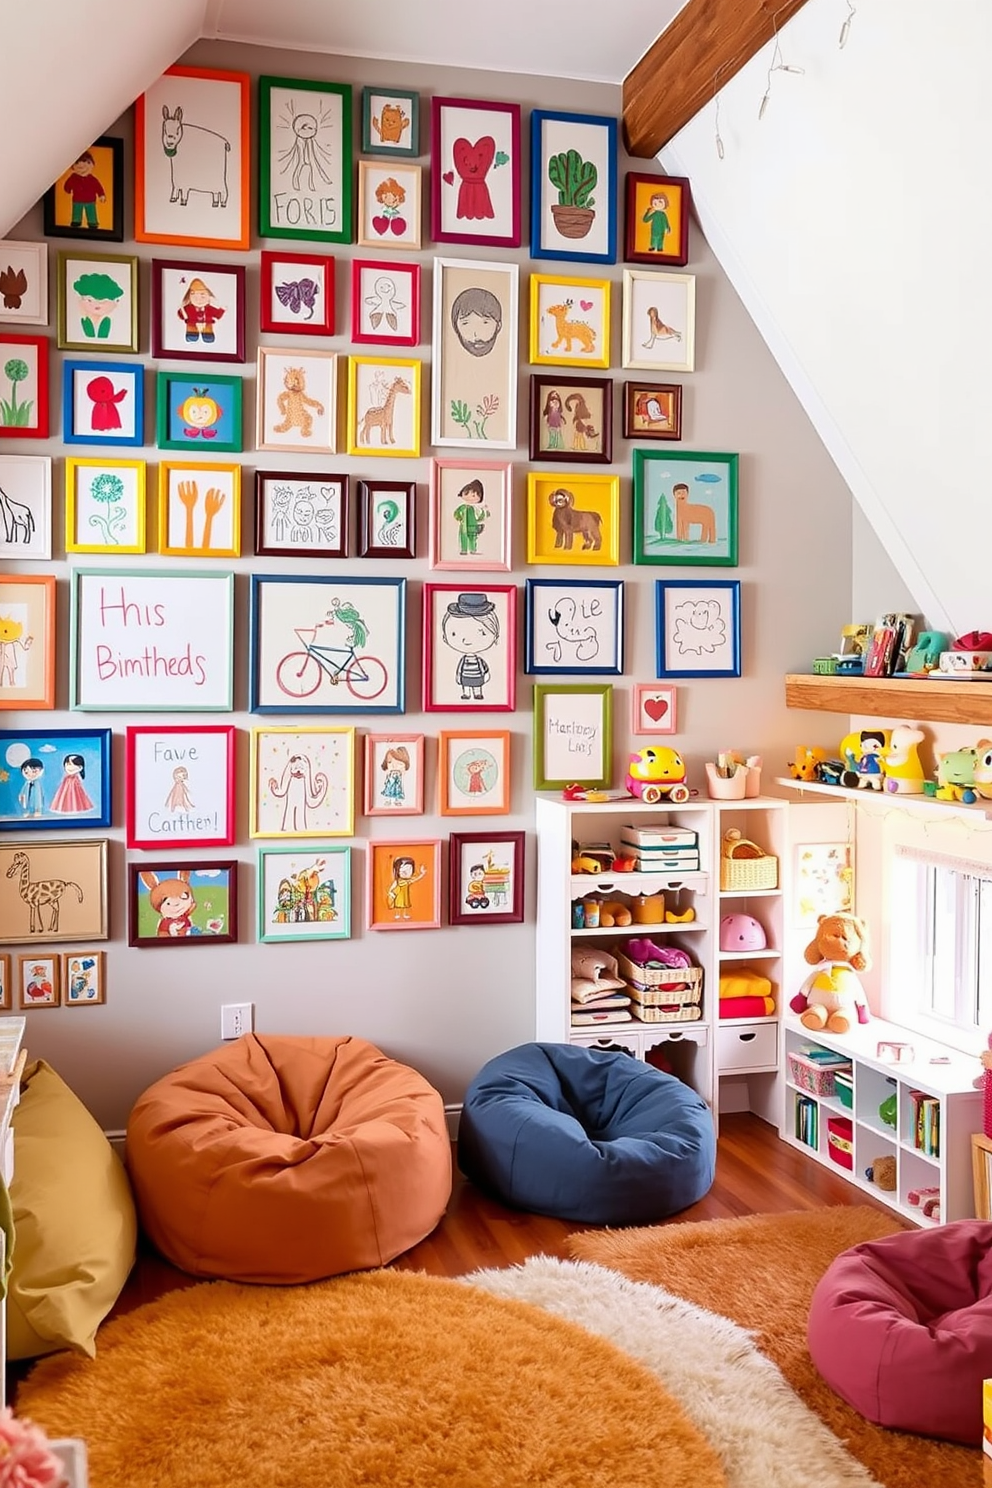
571,725
305,171
386,113
685,508
310,887
198,411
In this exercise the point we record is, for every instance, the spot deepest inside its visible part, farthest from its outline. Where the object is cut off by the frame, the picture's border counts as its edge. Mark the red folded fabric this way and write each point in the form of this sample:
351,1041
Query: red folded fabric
746,1007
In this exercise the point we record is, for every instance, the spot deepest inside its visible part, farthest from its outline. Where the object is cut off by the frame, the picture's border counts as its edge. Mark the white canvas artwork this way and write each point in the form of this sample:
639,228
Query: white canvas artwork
296,396
303,781
191,165
659,313
25,506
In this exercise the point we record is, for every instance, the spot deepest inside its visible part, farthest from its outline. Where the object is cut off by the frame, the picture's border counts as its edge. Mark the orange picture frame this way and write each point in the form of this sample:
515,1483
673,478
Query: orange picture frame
473,772
27,641
403,885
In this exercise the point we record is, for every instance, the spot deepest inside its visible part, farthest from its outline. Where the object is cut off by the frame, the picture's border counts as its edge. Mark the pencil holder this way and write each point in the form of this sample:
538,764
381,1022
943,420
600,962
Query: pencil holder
726,787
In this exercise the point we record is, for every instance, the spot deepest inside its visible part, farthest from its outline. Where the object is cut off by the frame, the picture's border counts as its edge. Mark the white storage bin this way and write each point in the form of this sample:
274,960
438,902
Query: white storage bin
747,1045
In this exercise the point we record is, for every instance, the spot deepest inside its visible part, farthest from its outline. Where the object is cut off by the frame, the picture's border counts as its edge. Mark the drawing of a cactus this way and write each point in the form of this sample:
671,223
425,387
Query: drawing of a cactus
574,178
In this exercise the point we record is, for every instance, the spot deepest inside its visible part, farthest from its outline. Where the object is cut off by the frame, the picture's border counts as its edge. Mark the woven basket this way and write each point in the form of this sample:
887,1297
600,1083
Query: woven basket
744,865
662,977
688,1013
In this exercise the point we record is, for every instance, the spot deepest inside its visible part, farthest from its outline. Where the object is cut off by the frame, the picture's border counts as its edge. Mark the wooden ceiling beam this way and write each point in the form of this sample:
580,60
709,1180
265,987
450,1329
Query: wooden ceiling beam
705,45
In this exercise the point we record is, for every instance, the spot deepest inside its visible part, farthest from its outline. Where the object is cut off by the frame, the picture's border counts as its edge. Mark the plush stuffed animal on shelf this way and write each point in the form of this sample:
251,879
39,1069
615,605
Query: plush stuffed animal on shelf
832,993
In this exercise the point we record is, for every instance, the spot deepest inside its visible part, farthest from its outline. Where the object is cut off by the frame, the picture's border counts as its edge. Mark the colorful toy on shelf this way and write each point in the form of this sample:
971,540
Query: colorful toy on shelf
805,760
585,864
924,656
742,932
585,793
904,772
612,912
956,776
832,993
863,752
888,1110
882,1173
926,1199
656,772
829,771
648,909
968,655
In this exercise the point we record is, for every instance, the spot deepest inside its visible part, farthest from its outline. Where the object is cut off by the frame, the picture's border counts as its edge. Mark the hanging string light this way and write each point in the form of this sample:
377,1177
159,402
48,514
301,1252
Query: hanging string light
845,30
777,64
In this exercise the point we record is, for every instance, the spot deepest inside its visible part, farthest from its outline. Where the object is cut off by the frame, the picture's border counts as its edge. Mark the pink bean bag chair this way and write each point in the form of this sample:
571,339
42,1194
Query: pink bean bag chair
901,1328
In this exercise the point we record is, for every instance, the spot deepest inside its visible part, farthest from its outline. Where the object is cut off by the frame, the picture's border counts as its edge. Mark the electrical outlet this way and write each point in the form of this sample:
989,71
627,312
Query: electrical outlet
236,1018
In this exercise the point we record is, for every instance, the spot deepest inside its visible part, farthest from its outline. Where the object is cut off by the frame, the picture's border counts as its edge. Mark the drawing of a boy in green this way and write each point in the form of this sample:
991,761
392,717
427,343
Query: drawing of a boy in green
471,516
98,294
657,216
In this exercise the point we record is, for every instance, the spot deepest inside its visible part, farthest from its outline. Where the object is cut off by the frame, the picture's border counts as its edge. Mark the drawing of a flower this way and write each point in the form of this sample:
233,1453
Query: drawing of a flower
13,414
107,490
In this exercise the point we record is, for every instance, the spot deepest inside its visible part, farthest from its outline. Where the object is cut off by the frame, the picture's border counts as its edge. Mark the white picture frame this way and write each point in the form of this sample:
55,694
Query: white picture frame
296,401
23,282
475,354
659,321
25,507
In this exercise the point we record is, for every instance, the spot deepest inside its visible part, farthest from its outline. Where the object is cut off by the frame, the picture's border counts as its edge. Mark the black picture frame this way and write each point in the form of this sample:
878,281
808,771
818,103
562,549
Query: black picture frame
370,541
50,202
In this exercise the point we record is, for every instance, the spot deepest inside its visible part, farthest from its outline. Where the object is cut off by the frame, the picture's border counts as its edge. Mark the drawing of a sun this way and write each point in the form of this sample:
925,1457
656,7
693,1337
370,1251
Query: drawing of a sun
307,154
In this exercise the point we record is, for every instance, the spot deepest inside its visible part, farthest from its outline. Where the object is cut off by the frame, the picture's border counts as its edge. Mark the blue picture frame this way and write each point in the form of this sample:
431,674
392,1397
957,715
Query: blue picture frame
104,386
573,186
698,627
574,626
67,785
320,912
198,410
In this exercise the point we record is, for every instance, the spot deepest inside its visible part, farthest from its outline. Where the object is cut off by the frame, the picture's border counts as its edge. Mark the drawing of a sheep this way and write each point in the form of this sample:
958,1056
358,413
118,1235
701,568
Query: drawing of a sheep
197,158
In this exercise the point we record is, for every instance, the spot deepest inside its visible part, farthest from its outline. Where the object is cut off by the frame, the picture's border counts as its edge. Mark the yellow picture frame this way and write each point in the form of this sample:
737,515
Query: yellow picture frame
108,497
590,536
220,485
302,781
569,321
376,398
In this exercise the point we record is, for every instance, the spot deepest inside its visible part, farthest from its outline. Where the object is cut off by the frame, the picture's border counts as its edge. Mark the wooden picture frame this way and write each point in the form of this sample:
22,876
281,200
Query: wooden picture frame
474,354
198,311
473,772
73,905
469,648
304,159
573,517
301,515
652,410
385,302
25,507
387,519
486,878
394,775
475,172
471,515
573,735
296,293
296,401
403,885
390,207
574,626
189,529
180,786
685,508
653,708
656,219
27,657
302,782
84,978
6,982
698,625
39,981
183,902
24,283
303,894
199,406
98,214
659,317
569,321
103,403
97,295
571,419
390,122
54,779
105,503
384,407
23,387
573,162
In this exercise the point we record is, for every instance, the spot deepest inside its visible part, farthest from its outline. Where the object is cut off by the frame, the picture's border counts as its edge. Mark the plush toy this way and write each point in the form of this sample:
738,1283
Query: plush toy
832,992
882,1173
614,913
594,972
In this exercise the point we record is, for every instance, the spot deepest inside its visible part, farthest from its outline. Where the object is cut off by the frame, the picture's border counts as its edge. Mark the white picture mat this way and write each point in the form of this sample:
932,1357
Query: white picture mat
593,143
25,391
313,795
333,868
286,272
213,108
225,528
498,859
301,512
172,808
412,782
588,307
120,312
375,298
31,259
286,608
586,636
573,726
320,376
444,688
472,125
25,506
306,183
223,284
699,631
461,763
374,382
376,218
672,298
386,531
83,406
107,524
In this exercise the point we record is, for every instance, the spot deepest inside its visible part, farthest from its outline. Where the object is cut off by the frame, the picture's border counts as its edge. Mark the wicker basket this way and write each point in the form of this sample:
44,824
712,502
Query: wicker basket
744,865
687,1013
661,978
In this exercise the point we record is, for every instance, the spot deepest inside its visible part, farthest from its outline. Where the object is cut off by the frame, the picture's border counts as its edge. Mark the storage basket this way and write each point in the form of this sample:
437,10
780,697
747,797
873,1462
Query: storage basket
661,978
744,865
840,1140
818,1079
685,1013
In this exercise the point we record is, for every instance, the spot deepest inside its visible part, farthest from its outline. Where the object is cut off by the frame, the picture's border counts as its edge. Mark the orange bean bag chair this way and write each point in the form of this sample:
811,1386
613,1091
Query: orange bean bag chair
279,1159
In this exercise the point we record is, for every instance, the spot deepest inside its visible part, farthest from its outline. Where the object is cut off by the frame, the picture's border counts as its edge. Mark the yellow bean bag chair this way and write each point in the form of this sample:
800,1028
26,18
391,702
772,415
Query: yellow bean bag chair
283,1160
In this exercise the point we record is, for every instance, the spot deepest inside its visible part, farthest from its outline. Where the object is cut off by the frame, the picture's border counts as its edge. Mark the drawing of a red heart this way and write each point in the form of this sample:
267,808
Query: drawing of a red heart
585,304
472,162
381,225
448,178
656,708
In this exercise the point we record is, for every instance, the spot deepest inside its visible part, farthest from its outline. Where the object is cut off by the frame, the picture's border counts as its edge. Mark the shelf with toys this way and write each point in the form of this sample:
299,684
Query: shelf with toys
951,700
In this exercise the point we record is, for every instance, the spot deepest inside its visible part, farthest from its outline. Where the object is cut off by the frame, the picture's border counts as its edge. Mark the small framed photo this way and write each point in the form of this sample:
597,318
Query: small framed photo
569,321
53,891
180,786
573,164
389,205
300,516
198,311
39,981
53,778
486,878
302,782
473,771
573,518
474,344
206,408
84,981
475,172
23,387
574,625
390,122
199,509
573,734
685,508
24,283
403,885
296,400
297,293
385,302
25,506
182,903
470,515
394,775
571,418
103,403
387,519
653,709
383,406
97,302
698,628
652,410
656,220
659,321
27,660
105,506
304,159
87,199
469,648
303,894
6,983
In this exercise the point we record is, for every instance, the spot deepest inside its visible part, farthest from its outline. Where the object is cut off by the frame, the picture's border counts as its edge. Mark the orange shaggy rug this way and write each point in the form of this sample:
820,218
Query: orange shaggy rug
761,1271
382,1378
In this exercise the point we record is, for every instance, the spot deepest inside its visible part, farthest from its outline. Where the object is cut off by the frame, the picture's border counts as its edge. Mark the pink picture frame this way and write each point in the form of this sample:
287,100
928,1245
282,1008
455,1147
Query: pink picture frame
475,172
296,293
385,302
470,648
653,708
404,897
394,775
470,511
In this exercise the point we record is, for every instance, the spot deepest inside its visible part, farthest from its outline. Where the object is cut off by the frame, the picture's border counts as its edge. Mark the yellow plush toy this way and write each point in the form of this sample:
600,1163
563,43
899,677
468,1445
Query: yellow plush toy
832,993
614,913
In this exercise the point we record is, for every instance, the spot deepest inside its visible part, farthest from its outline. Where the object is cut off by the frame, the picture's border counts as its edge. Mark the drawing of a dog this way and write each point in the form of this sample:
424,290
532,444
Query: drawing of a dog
570,522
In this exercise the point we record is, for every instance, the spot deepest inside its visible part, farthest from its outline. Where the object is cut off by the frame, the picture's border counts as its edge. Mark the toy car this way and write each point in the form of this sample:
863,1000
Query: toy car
657,772
830,771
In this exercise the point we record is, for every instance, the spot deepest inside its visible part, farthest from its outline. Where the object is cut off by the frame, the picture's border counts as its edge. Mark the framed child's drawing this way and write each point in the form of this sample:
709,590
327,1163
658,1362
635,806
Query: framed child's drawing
24,282
572,734
383,406
571,418
569,321
97,302
475,172
473,772
6,987
198,407
390,122
27,641
656,220
39,980
84,978
53,891
182,903
327,645
469,648
51,778
296,401
573,164
387,519
653,708
486,878
25,506
304,159
573,518
87,199
574,625
103,403
652,410
474,382
403,885
180,786
298,515
394,774
303,894
199,509
685,508
302,782
659,321
389,205
191,159
105,506
470,515
385,302
23,387
824,882
698,628
297,293
198,311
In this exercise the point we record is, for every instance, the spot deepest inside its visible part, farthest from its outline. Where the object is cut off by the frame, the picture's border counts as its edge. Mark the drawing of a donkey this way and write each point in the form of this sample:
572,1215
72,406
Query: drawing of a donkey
197,157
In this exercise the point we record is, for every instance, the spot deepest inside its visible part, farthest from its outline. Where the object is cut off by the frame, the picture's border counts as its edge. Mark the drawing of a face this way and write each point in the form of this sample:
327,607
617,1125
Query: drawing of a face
176,905
465,634
303,512
305,126
477,318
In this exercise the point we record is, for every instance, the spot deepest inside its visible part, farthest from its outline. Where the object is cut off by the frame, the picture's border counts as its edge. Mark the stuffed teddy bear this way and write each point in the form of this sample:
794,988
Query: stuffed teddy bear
832,993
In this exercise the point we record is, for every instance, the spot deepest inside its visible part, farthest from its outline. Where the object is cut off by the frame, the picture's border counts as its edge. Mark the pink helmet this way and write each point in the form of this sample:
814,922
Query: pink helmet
741,932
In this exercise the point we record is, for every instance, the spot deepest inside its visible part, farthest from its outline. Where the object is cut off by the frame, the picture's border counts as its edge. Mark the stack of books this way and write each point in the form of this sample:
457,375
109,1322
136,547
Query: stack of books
661,849
926,1123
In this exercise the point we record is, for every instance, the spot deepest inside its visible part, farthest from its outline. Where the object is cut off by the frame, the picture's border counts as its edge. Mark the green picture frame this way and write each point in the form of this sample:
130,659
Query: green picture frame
198,411
303,893
573,721
685,508
391,122
305,171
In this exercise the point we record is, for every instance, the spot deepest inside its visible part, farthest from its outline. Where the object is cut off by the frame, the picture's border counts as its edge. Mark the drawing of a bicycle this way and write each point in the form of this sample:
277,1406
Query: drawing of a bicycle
299,672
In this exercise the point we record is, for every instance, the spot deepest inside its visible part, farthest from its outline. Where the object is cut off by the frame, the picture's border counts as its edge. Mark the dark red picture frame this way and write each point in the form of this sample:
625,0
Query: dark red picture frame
573,418
457,913
291,325
641,185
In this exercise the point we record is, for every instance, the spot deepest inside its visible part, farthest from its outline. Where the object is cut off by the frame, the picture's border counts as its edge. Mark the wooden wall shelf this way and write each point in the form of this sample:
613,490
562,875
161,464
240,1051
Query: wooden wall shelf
916,698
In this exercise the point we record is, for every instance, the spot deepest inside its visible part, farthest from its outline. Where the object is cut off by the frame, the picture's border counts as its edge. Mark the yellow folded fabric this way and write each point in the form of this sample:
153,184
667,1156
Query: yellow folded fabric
743,982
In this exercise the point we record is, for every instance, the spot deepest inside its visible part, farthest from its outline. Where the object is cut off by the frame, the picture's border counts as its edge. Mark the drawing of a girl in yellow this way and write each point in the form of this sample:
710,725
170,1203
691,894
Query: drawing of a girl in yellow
398,895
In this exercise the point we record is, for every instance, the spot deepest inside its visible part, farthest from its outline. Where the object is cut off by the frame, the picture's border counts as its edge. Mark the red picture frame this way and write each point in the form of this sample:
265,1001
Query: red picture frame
171,766
178,346
640,232
477,623
466,186
371,326
296,321
476,906
9,403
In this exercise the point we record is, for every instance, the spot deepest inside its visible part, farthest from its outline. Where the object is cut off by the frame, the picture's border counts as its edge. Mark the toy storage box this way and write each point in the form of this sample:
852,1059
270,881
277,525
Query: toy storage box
840,1140
844,1087
817,1078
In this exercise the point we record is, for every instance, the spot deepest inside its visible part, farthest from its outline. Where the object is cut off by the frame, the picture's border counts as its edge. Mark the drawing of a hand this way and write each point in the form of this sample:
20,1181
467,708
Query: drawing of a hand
212,503
189,494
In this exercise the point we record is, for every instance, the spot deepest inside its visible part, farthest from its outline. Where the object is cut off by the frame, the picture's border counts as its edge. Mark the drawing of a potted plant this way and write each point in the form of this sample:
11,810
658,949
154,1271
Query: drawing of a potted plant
575,180
15,415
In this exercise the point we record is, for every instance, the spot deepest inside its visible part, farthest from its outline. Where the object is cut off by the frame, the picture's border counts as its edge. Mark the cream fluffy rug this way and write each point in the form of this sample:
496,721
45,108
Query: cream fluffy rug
762,1432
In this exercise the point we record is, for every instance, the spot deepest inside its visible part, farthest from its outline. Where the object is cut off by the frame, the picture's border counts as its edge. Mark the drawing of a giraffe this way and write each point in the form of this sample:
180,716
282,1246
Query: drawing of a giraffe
382,417
39,892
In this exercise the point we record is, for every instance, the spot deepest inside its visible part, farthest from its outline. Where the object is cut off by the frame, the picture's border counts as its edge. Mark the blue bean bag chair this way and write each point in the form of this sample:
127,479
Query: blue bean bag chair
586,1135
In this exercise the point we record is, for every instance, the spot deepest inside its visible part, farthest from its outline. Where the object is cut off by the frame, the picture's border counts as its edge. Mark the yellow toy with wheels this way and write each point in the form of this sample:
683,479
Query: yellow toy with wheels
657,772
